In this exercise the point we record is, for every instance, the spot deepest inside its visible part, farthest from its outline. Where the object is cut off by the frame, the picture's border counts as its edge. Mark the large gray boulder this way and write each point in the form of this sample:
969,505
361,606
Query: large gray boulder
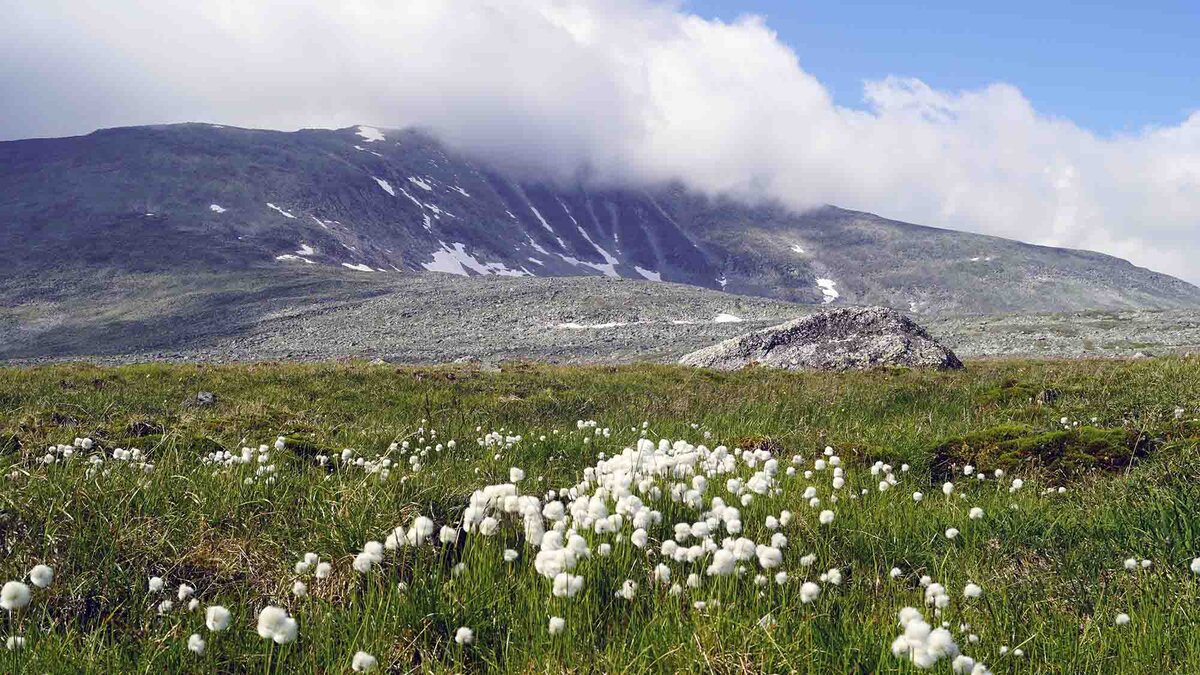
842,339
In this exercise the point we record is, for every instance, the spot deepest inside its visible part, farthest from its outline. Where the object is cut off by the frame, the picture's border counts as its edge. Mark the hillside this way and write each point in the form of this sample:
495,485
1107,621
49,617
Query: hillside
201,198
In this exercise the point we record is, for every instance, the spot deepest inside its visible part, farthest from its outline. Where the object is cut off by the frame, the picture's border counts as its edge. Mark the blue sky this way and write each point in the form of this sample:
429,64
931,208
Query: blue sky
1108,66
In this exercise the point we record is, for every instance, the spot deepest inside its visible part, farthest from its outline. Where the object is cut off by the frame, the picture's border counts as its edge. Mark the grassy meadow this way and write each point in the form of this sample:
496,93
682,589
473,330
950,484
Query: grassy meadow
1056,530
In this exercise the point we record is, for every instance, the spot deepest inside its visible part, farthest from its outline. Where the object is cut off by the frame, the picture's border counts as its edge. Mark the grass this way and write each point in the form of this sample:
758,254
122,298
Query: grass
1050,563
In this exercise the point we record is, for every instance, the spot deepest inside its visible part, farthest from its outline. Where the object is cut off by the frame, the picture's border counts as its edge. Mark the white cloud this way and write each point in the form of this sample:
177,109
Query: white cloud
629,89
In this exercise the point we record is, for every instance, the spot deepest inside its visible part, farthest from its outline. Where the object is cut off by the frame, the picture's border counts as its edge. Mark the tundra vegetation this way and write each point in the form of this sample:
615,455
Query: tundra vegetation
1017,516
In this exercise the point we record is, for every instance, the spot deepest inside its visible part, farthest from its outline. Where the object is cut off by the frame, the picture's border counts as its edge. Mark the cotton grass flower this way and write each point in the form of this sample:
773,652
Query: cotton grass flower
14,595
324,570
951,533
299,589
155,584
826,517
14,643
1195,565
216,618
464,636
41,575
920,643
275,624
1122,619
809,592
196,643
972,590
557,625
363,662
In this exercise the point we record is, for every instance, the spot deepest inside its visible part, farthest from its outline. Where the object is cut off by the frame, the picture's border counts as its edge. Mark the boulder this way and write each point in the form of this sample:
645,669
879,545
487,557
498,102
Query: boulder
842,339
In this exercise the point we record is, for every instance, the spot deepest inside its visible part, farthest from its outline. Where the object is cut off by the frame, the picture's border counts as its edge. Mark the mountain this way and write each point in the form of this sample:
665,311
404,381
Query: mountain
203,198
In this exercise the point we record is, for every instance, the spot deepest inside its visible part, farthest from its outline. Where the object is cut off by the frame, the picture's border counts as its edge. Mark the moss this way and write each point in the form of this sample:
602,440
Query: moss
1062,452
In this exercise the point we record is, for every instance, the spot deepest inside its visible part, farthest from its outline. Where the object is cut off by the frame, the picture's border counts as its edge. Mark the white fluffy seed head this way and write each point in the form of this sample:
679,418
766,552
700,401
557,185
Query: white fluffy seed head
363,662
14,595
196,643
216,618
41,575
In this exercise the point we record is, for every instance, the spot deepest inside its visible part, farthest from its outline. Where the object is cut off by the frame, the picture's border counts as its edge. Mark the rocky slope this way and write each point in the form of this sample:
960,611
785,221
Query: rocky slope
202,199
317,313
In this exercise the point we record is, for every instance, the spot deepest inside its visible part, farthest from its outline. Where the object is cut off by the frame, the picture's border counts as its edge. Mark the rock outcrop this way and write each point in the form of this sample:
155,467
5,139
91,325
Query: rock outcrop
843,339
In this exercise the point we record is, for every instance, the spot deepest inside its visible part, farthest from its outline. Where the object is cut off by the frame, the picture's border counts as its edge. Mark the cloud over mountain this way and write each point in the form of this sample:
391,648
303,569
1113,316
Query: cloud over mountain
619,91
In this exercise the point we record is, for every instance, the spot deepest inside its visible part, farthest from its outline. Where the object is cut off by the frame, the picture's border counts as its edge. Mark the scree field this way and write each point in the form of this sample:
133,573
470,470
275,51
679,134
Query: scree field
1014,517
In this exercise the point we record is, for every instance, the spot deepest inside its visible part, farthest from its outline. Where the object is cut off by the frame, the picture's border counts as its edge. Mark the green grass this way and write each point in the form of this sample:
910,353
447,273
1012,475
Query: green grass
1050,564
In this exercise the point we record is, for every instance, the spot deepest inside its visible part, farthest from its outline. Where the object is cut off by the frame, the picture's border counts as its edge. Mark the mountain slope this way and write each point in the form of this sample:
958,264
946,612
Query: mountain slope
207,198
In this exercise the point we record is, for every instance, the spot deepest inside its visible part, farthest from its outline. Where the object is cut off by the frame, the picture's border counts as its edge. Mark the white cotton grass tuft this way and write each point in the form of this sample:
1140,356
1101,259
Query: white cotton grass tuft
464,636
14,595
155,584
809,592
41,575
14,643
299,589
1122,619
275,624
324,570
216,618
557,625
1195,565
363,662
972,590
196,643
826,517
920,643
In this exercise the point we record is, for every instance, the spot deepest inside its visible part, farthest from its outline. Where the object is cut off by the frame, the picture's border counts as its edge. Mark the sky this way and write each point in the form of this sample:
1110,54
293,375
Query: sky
1075,127
1114,66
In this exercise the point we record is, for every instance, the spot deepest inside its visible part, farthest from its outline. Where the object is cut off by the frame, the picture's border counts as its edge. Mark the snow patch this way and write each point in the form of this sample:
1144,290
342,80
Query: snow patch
358,267
216,208
371,134
576,326
454,259
462,192
285,213
610,263
648,274
722,281
305,249
827,290
727,318
288,256
420,183
413,199
796,248
386,186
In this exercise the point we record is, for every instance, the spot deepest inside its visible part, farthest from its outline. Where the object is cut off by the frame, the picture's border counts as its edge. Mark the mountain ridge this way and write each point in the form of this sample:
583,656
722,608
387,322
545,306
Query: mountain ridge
209,197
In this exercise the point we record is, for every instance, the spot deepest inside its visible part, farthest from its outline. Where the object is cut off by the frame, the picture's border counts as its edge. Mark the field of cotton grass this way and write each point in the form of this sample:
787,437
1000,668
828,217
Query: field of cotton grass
1016,517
